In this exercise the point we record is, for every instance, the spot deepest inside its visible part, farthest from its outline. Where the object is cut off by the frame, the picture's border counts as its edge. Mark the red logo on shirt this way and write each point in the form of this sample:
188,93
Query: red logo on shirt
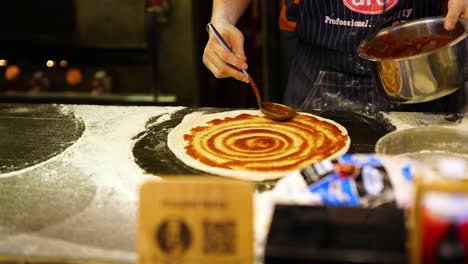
369,7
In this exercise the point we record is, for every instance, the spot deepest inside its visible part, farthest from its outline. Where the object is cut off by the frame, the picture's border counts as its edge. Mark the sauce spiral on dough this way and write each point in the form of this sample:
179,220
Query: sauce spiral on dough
254,143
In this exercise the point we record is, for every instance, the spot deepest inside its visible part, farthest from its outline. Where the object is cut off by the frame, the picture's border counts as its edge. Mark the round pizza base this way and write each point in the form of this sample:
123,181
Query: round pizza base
177,144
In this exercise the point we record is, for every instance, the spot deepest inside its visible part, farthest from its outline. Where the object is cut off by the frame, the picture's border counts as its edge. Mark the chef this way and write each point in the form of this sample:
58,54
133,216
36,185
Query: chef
325,72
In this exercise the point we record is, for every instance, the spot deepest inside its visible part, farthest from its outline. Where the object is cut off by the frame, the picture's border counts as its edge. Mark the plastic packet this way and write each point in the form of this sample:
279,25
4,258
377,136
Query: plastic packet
364,180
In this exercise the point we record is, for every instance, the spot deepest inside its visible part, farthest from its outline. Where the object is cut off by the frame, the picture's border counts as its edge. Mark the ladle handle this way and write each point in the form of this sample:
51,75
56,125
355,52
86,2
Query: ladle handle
223,43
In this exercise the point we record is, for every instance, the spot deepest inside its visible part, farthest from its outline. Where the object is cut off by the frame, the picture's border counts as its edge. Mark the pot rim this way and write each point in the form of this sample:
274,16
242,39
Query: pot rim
422,129
363,55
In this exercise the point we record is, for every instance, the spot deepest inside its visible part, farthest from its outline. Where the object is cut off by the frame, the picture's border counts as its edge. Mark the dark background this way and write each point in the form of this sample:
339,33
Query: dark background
132,52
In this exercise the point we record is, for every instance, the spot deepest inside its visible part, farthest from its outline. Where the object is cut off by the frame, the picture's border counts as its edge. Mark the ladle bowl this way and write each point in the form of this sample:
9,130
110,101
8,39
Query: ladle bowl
277,112
274,111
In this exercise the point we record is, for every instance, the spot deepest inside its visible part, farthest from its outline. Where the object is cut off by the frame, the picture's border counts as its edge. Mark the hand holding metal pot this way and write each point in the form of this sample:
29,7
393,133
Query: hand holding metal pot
417,61
455,9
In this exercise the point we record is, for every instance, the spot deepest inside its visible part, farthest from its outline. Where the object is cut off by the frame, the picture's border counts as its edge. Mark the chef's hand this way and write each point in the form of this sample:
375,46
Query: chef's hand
456,8
223,63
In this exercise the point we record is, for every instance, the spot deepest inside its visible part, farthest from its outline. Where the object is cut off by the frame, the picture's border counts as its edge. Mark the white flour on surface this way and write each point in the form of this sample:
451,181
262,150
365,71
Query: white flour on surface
99,181
30,245
163,118
403,120
105,146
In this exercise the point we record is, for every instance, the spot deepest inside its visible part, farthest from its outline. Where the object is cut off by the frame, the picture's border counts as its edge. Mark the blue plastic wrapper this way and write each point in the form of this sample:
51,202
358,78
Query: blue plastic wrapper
353,180
336,191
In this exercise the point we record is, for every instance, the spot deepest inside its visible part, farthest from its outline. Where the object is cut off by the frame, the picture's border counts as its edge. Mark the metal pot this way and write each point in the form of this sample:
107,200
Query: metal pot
425,76
428,139
441,149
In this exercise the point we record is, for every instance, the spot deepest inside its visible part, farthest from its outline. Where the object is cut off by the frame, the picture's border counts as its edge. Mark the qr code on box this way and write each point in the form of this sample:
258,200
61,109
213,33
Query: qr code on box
219,237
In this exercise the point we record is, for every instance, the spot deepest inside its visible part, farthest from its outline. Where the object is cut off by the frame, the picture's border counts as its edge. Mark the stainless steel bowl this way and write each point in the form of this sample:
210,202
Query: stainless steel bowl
421,140
425,76
443,150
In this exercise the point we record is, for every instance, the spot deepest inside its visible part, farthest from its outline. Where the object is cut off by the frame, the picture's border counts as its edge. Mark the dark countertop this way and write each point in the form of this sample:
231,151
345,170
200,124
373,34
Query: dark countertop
69,174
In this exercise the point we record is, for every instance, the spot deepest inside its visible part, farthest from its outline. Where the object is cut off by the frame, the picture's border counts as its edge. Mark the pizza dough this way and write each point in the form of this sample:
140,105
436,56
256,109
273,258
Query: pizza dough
244,144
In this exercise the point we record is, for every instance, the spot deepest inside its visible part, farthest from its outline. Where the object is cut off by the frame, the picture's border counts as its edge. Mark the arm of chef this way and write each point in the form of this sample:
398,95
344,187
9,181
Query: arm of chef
219,61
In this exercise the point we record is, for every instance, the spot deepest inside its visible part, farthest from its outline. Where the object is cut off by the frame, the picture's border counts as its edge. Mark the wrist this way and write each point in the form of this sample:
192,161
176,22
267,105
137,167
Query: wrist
219,21
224,17
228,12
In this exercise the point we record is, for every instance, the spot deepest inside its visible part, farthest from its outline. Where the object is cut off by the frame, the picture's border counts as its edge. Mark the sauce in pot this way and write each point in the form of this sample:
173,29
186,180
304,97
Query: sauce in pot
387,46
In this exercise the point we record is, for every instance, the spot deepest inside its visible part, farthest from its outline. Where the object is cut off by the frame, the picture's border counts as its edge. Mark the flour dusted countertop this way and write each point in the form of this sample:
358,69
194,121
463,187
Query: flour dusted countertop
82,202
70,174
